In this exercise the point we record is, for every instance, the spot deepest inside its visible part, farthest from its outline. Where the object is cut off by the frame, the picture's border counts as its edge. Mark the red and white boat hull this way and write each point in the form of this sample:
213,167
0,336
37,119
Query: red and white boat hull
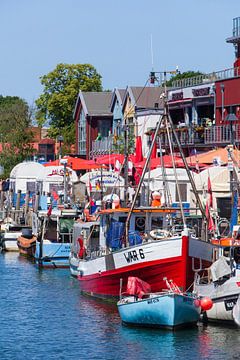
151,261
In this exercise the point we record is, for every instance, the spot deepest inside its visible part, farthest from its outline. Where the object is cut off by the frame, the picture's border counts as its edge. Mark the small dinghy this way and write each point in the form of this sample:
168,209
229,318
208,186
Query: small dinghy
27,243
169,309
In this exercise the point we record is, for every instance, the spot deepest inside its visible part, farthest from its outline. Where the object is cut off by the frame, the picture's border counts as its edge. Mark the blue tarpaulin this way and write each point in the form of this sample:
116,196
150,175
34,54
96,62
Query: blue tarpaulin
134,238
234,215
114,235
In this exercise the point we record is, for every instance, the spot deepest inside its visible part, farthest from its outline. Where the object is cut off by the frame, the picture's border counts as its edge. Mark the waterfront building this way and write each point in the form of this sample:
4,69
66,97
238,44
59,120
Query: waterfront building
93,120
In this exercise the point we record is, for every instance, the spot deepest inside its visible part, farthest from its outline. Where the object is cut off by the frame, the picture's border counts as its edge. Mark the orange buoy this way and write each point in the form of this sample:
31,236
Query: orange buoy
206,303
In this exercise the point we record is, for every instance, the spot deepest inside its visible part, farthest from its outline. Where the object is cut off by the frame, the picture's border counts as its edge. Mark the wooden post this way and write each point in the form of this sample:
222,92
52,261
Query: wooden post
18,200
1,200
37,201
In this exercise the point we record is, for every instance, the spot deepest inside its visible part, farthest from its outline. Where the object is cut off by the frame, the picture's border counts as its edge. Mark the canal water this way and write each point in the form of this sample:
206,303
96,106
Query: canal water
44,316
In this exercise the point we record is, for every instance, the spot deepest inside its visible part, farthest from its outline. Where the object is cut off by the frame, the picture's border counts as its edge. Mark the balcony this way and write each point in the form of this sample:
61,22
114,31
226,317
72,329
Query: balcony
102,147
207,78
201,136
222,134
186,136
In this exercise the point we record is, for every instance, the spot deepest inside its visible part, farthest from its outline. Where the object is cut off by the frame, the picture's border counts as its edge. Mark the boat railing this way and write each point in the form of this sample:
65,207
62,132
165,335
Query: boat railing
66,237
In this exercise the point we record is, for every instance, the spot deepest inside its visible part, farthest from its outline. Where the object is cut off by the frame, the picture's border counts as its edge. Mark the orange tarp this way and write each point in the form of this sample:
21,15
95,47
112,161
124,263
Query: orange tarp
219,155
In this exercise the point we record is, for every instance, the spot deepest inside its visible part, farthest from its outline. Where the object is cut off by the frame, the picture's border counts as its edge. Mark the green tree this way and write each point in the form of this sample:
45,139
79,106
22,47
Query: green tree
61,88
184,75
15,132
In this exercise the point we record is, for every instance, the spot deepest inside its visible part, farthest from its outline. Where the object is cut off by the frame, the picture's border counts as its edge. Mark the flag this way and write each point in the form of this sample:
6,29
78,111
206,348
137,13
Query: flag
138,150
130,168
117,166
210,192
154,150
98,185
49,210
211,224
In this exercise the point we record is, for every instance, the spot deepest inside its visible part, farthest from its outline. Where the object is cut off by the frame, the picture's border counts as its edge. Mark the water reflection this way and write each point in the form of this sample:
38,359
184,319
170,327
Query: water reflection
43,315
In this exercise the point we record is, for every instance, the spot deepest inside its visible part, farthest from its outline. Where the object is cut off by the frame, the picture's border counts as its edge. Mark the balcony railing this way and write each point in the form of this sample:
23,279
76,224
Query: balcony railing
102,147
207,78
198,135
220,134
186,136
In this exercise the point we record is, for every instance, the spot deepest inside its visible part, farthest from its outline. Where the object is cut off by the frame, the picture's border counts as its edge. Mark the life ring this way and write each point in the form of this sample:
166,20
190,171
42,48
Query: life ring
159,234
140,223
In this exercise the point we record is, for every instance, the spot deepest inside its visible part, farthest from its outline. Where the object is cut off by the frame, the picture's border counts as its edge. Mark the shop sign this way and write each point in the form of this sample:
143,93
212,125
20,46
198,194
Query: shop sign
201,92
177,96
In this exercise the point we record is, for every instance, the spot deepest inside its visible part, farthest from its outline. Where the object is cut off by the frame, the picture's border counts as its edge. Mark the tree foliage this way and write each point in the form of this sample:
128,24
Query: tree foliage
184,75
61,88
15,134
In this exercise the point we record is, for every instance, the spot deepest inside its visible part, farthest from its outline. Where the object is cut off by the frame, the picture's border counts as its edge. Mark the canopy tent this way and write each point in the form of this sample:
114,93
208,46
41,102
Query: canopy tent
219,177
110,159
167,162
217,156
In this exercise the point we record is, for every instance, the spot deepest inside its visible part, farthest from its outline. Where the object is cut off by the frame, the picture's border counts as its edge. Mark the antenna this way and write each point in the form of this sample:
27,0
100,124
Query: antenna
151,41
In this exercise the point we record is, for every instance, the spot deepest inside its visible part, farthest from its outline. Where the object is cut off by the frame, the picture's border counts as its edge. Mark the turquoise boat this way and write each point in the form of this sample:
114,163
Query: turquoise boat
54,238
168,309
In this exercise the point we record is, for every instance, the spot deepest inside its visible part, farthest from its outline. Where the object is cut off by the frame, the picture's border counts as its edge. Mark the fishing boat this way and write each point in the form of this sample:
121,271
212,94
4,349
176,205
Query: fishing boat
138,241
169,309
221,282
27,243
54,237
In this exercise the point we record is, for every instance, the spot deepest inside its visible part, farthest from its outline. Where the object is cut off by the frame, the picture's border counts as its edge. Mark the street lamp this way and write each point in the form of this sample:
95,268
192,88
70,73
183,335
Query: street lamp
60,140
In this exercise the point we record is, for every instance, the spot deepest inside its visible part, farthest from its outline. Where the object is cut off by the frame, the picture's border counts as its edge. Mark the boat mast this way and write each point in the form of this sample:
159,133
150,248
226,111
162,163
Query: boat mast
187,168
126,129
159,123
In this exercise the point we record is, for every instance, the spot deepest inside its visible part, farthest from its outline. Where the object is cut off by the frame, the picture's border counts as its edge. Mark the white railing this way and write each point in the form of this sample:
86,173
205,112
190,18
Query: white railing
207,78
102,147
222,134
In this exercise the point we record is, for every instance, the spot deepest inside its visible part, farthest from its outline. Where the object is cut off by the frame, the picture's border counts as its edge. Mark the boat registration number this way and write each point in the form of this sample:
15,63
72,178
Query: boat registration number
134,255
229,304
152,301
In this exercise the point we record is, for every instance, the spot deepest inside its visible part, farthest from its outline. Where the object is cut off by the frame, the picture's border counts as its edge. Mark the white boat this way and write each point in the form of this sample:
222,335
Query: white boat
222,285
10,232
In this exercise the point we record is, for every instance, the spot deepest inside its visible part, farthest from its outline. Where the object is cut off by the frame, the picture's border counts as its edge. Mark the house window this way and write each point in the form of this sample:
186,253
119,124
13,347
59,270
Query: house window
183,192
82,134
104,127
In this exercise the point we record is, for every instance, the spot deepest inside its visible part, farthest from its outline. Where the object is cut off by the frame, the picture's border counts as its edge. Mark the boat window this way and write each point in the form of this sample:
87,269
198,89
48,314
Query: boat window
122,219
66,226
157,222
94,239
183,192
51,230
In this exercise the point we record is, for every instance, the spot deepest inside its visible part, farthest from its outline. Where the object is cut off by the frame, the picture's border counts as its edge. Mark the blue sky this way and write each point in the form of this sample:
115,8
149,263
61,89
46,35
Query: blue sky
112,35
